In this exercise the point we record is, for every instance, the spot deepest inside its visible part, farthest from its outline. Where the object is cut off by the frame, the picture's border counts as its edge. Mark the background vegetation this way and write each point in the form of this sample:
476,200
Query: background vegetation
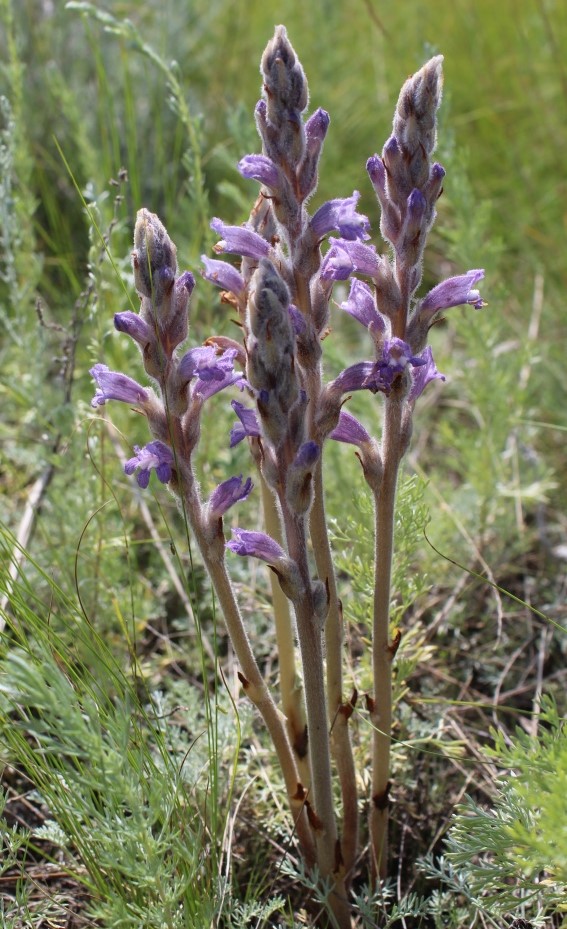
123,802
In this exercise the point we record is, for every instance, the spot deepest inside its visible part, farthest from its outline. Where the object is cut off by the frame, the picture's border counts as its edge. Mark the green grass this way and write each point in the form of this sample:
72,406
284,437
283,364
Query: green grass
99,647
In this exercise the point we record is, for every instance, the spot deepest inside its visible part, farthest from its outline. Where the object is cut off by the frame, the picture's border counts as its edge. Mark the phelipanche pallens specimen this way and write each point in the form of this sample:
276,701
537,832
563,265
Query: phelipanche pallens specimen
281,285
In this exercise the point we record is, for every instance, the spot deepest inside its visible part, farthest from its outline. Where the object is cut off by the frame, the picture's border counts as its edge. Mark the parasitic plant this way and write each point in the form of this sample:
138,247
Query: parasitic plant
281,289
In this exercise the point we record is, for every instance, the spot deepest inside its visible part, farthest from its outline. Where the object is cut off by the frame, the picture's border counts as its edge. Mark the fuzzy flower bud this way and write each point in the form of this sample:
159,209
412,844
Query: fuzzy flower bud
286,96
299,489
315,131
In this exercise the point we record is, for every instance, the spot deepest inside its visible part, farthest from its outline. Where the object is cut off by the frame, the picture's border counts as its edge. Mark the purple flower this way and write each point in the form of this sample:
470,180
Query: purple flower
205,362
227,494
154,455
362,306
207,388
344,257
423,374
258,544
381,374
349,430
354,377
238,240
341,215
396,356
223,275
248,425
134,326
260,168
453,292
114,386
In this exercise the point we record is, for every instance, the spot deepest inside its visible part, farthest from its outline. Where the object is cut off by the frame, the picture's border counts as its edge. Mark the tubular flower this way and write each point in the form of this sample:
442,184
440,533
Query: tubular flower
257,544
344,257
238,240
349,430
134,326
453,292
222,274
260,168
227,494
341,215
155,455
361,305
112,385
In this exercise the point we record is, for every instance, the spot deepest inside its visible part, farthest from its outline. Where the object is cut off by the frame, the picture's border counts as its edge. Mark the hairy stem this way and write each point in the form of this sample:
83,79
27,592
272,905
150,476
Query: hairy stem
253,682
383,649
338,713
311,648
290,688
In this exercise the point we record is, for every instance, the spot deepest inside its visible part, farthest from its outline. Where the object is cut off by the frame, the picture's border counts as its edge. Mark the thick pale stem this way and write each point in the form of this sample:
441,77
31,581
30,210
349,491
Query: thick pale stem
254,684
383,649
290,689
338,713
311,649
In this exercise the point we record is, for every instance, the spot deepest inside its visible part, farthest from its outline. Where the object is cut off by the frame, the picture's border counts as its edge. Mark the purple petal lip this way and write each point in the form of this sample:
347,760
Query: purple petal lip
260,168
361,306
111,385
248,425
423,374
345,256
227,494
206,389
454,292
205,362
238,240
155,455
258,544
341,215
349,430
223,275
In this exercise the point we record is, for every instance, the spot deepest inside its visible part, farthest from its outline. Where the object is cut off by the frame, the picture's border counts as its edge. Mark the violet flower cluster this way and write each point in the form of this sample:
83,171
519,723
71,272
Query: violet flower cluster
281,286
